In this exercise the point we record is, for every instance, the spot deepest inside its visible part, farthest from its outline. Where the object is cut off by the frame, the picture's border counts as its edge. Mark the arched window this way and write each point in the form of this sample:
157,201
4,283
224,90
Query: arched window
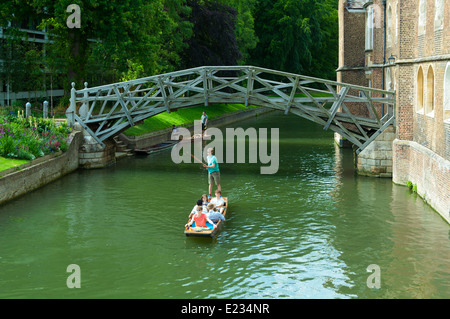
422,16
429,108
447,93
419,97
439,15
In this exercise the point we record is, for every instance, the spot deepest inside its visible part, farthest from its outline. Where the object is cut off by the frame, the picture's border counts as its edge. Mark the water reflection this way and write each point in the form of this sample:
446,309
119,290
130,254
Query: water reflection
381,223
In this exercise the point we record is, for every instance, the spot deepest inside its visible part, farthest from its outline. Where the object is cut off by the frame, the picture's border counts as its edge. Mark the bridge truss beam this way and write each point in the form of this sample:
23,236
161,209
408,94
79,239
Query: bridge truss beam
357,113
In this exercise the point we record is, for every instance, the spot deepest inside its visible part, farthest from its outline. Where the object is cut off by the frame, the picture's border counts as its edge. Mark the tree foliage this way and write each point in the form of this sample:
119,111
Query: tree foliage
244,27
114,35
124,39
296,36
213,41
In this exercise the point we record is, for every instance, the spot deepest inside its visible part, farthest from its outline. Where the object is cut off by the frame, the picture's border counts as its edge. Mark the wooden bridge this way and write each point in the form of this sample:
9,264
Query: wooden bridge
357,113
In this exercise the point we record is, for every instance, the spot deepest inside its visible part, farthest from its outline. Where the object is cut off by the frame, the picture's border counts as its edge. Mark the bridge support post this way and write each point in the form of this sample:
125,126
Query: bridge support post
94,155
377,158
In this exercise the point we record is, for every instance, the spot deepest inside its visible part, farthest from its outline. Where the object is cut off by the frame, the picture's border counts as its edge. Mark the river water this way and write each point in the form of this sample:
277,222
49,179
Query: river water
309,231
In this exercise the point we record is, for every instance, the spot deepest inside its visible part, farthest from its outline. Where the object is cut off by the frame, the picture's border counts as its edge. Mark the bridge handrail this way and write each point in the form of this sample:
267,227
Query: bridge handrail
229,68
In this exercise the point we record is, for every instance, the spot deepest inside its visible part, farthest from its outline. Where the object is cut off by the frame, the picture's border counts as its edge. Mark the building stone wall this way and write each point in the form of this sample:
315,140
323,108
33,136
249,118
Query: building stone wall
430,173
418,40
351,47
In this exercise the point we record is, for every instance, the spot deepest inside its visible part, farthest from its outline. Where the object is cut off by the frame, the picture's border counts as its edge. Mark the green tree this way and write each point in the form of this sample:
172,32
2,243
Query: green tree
244,26
176,33
21,66
112,32
326,51
296,36
213,41
114,36
124,39
12,70
34,71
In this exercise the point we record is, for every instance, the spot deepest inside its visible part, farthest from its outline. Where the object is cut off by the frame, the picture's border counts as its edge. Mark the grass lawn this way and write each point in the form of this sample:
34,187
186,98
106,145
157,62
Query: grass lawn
182,117
189,115
6,163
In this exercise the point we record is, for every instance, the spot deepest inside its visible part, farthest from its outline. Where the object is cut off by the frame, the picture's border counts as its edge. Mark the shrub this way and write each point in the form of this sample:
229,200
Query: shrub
63,128
24,153
28,138
33,143
8,146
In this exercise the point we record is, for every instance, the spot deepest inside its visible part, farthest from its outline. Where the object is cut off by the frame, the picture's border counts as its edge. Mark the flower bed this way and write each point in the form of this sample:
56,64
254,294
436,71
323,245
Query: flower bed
29,138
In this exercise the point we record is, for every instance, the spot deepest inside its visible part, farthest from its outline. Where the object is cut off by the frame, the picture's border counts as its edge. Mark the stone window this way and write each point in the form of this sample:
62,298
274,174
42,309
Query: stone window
389,31
422,16
419,97
389,84
439,15
429,107
369,28
447,93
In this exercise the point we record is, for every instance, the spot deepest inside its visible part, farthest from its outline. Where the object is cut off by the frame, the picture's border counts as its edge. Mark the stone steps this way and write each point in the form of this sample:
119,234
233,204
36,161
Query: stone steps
121,149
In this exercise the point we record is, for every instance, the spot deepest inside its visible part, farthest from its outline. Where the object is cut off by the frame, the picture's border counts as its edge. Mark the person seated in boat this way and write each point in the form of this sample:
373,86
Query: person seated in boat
214,215
218,201
200,219
194,210
205,200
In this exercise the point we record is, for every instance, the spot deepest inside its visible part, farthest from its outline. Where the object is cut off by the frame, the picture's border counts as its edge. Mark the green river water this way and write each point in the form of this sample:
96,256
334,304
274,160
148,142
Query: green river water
309,231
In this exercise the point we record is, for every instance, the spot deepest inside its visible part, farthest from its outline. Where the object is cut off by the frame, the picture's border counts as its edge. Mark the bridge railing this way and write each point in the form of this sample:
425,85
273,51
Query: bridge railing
357,113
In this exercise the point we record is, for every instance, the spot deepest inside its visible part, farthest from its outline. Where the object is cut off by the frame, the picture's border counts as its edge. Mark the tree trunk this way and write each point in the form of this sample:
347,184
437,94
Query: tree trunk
78,55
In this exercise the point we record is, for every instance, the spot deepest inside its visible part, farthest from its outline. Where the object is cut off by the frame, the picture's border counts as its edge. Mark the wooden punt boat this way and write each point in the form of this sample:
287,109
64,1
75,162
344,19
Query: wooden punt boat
208,231
155,148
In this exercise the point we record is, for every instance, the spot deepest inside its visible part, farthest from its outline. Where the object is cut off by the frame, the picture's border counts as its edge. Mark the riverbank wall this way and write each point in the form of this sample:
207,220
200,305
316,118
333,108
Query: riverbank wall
27,177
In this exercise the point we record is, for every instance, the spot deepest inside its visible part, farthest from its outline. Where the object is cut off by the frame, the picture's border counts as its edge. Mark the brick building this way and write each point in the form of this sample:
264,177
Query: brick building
404,45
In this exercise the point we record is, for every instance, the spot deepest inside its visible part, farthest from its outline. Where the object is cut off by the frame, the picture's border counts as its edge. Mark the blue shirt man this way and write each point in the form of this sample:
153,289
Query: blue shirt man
213,165
215,216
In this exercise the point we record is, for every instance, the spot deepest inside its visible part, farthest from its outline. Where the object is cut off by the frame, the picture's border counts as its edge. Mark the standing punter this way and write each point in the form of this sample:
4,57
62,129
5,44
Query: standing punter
213,171
204,119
